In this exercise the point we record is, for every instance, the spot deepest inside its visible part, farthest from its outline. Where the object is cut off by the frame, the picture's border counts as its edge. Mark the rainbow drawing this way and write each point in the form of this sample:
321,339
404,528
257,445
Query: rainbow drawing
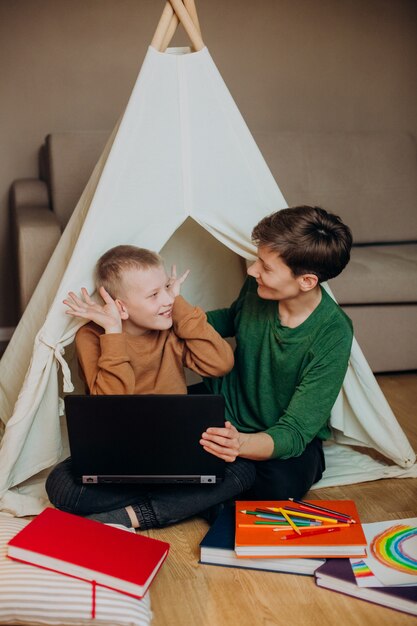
361,569
390,548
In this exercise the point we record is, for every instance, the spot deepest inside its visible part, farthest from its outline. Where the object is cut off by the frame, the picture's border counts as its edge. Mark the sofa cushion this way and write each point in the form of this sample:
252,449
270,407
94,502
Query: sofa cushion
29,192
387,335
71,157
368,178
36,232
378,274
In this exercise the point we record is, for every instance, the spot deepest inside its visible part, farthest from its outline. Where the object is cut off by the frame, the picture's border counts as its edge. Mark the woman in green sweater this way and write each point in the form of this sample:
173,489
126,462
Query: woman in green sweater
293,344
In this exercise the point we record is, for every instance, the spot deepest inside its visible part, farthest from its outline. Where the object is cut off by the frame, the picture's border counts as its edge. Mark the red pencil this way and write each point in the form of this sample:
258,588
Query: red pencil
309,533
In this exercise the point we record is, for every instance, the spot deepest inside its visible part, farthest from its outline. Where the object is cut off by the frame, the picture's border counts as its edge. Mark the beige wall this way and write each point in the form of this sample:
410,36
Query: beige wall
289,64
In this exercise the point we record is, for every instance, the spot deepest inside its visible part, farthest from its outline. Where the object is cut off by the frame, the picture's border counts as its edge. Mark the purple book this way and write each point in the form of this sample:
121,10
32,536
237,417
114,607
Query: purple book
337,575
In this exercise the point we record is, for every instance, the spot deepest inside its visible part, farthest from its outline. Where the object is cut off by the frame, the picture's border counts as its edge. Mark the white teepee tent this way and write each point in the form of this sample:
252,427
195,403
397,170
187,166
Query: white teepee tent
182,150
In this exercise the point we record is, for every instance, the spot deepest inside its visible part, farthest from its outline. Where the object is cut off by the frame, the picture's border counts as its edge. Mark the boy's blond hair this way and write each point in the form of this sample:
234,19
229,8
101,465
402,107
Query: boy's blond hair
111,265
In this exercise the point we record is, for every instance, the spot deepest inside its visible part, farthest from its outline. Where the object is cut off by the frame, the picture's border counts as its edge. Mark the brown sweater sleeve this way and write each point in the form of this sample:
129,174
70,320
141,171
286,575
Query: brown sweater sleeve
205,352
104,361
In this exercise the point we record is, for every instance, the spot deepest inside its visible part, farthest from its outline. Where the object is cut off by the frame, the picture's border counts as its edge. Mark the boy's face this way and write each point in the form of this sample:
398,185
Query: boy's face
145,300
275,279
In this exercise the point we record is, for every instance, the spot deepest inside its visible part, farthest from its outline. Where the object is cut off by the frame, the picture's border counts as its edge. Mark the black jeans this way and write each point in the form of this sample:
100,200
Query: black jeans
280,479
273,479
158,505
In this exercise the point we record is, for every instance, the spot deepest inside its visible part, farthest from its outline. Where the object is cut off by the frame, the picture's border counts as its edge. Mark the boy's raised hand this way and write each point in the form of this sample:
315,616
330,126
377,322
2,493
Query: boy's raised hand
105,315
174,283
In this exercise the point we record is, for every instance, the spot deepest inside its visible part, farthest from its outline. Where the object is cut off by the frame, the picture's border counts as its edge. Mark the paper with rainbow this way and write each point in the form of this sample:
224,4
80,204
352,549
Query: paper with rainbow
391,554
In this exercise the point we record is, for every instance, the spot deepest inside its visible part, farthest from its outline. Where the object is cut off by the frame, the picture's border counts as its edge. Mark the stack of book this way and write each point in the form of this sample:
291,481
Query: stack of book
285,536
218,548
294,529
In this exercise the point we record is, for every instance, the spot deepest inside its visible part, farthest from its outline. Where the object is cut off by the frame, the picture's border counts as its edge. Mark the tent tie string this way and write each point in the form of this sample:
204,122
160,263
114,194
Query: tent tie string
66,372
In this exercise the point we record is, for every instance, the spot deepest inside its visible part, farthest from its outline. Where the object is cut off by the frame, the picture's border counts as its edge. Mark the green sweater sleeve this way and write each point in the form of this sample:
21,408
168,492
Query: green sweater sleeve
309,410
223,320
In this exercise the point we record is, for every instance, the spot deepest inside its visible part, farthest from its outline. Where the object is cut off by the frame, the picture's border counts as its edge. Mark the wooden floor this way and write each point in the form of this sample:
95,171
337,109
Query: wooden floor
188,594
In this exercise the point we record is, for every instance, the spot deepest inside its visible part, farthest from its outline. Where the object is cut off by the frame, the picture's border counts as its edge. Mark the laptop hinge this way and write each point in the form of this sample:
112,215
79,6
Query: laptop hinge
90,479
208,479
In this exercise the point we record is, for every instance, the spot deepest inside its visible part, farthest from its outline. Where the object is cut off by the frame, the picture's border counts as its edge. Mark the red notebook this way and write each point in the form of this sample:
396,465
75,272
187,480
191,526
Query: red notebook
85,549
340,539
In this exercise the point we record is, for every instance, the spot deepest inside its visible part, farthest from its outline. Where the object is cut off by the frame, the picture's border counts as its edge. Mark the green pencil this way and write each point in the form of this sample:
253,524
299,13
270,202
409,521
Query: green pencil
277,518
277,523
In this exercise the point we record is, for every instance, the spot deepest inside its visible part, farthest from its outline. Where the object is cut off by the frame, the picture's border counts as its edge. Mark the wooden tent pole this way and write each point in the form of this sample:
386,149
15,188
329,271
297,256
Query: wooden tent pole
162,27
188,24
192,11
172,27
176,11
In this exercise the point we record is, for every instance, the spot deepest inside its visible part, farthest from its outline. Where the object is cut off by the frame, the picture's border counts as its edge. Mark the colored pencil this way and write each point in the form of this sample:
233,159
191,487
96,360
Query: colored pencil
303,530
321,518
262,512
267,526
279,518
247,512
289,520
299,520
310,533
339,518
316,507
269,512
313,516
269,523
285,523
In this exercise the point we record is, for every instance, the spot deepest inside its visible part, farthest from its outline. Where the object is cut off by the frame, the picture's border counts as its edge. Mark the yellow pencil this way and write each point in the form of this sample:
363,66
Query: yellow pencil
289,520
319,518
312,529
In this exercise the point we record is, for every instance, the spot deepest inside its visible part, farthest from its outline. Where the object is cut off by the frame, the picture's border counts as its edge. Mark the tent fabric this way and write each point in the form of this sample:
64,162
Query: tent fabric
181,156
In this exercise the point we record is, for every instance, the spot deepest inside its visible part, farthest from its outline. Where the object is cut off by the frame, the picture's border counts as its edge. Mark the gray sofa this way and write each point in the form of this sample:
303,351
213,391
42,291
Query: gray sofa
41,208
368,178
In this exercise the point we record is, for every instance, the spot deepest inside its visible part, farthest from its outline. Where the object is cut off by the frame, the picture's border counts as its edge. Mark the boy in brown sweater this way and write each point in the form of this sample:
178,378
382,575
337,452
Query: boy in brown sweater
138,341
145,333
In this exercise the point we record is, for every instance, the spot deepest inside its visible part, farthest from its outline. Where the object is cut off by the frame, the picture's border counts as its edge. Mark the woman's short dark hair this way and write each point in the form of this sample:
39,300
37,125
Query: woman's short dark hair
308,239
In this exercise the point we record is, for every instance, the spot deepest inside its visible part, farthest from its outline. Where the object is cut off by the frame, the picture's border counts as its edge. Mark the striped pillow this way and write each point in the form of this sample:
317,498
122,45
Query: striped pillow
35,596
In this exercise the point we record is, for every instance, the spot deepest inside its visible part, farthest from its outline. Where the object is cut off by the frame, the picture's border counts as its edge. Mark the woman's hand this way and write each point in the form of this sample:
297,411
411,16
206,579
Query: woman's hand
228,443
222,442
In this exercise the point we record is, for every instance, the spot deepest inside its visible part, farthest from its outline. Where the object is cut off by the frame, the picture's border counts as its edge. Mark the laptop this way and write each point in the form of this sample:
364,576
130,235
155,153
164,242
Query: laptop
143,438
